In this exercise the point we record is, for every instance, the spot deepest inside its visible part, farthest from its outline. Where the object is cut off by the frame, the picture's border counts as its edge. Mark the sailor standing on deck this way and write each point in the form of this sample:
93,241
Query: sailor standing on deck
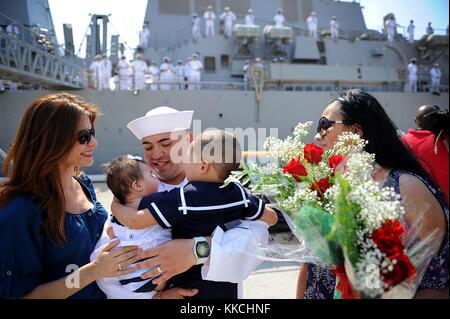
279,18
96,72
153,71
195,67
166,74
124,74
435,73
209,16
249,18
144,36
179,74
228,17
412,75
334,28
430,29
245,71
105,71
196,27
410,31
391,26
139,68
312,22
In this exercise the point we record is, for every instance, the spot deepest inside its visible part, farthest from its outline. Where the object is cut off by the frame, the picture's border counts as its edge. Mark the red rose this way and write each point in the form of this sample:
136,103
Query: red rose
403,269
388,237
334,161
321,186
312,153
295,168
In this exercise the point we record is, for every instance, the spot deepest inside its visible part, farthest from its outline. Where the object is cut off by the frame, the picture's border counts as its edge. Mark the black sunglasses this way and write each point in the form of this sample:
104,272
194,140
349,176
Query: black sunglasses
85,136
324,124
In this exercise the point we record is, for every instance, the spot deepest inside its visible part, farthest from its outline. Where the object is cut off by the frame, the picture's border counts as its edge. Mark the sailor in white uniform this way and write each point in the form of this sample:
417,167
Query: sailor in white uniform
166,74
430,29
139,69
228,17
144,36
106,71
410,31
249,18
436,74
209,16
195,67
179,74
412,75
279,18
334,28
123,69
312,23
229,260
391,28
196,34
96,72
153,72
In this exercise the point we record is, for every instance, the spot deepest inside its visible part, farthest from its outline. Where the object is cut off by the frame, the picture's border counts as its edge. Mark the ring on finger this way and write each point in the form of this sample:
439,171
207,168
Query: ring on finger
158,269
120,267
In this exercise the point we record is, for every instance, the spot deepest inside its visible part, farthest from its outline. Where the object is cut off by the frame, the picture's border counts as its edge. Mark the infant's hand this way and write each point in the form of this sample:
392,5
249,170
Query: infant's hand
110,232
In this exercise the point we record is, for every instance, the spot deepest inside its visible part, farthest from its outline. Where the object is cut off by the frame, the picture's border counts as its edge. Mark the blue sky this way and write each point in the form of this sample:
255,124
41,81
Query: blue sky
127,16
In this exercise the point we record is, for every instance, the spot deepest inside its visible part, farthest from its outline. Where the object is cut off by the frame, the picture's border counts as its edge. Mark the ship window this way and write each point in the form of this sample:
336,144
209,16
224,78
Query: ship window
239,7
180,7
224,62
210,64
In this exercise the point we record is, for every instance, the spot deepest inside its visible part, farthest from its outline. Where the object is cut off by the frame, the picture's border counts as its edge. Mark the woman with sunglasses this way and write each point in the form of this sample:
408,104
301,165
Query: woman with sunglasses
359,112
50,219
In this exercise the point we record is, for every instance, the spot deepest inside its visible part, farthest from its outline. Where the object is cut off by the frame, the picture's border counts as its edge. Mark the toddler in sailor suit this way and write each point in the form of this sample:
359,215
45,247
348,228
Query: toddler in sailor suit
201,205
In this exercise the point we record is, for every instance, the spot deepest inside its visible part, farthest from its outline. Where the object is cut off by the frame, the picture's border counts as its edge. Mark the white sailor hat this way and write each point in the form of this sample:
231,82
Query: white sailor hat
161,120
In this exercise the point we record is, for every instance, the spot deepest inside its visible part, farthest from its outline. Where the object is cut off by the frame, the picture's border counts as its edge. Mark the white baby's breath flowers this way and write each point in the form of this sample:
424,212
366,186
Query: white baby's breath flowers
348,143
301,195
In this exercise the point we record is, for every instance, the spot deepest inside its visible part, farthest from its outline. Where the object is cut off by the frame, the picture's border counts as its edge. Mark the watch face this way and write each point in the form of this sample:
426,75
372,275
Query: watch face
202,249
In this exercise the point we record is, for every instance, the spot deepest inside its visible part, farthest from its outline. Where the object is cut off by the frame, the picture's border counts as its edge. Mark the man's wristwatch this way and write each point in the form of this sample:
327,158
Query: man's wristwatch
201,250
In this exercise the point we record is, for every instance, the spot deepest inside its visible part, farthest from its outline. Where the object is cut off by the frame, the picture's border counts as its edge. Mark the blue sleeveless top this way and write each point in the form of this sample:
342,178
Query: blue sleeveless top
29,259
321,283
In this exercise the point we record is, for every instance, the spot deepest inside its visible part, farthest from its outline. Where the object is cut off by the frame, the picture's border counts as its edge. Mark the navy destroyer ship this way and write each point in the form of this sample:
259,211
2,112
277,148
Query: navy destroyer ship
33,64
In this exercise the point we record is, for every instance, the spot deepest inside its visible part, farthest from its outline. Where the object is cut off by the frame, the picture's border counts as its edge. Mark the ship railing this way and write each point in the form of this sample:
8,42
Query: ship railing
25,63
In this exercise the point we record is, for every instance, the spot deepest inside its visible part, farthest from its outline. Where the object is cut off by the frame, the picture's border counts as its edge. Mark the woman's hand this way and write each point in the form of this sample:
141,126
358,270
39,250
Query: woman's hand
176,293
115,262
168,259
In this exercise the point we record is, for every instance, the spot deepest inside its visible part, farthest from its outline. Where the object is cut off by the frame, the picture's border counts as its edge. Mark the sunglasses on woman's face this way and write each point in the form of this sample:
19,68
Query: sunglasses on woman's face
85,136
324,124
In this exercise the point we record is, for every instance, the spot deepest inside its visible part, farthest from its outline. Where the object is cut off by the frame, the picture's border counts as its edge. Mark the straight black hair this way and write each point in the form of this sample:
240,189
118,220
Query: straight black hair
363,109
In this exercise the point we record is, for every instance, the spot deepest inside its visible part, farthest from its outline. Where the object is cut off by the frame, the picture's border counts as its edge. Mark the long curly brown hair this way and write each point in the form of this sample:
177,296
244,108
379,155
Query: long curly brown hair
46,135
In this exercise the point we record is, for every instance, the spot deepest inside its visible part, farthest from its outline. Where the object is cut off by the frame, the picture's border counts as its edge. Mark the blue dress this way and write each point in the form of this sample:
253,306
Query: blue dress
320,283
28,258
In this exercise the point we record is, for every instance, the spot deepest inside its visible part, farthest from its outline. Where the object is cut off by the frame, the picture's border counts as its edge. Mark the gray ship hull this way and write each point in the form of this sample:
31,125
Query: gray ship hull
216,109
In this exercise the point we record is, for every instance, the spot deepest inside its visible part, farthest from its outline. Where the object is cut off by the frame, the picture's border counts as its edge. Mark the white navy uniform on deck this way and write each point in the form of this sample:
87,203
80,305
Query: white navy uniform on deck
228,17
105,71
334,29
179,74
195,67
139,69
124,74
435,79
196,209
144,37
209,16
196,28
412,77
279,20
390,29
96,74
410,31
311,21
249,19
166,74
153,70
